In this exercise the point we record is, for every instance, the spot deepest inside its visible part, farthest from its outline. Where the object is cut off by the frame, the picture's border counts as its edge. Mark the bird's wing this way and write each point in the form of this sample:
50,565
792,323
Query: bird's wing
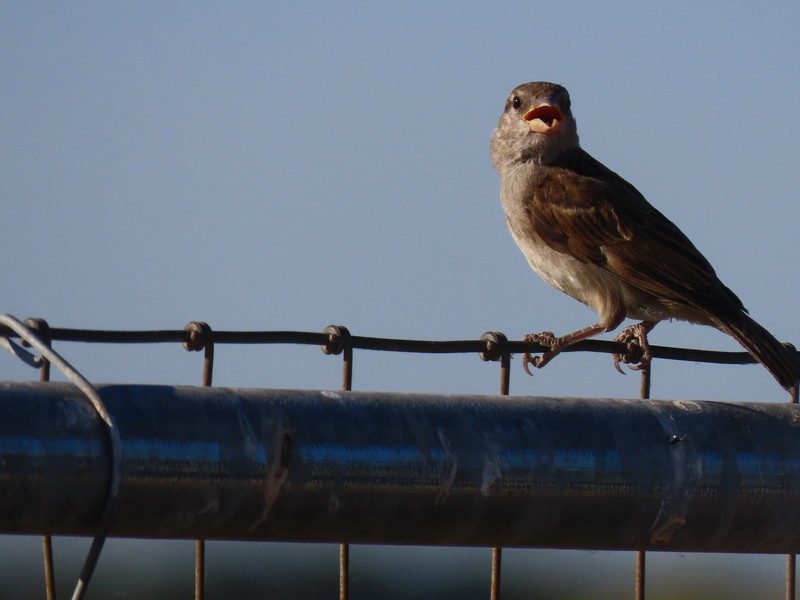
584,209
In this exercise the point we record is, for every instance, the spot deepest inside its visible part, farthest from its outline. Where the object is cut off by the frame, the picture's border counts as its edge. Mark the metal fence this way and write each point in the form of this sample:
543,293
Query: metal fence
441,470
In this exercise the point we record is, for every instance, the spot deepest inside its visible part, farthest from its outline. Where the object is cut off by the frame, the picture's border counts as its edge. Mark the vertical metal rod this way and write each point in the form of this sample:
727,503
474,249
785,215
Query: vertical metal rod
199,569
347,385
208,363
639,586
505,374
41,326
338,342
344,571
791,559
640,574
44,374
201,336
497,559
497,553
49,572
347,367
644,383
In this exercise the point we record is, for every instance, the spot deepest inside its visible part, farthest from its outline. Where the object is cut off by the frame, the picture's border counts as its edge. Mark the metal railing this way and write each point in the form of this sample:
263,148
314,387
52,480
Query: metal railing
669,434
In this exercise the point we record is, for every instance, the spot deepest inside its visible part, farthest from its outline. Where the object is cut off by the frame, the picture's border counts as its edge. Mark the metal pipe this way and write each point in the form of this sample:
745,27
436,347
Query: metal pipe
356,467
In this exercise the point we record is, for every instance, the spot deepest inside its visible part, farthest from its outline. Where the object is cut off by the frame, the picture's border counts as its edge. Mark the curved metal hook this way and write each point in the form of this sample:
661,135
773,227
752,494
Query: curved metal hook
88,390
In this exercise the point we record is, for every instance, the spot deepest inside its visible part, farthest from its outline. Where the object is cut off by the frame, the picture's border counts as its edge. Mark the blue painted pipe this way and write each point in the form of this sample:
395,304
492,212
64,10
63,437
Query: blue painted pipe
359,467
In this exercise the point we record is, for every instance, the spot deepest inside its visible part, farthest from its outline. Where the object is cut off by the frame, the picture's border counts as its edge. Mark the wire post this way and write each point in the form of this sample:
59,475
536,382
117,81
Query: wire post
49,570
41,327
497,560
641,559
347,385
791,559
339,341
497,553
497,349
641,564
199,569
201,338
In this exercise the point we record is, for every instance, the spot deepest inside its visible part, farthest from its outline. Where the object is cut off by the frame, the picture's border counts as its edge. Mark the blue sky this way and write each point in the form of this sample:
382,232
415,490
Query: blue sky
289,165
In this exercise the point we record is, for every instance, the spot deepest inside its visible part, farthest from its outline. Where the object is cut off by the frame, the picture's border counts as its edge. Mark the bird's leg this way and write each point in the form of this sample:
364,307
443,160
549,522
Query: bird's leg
635,335
555,345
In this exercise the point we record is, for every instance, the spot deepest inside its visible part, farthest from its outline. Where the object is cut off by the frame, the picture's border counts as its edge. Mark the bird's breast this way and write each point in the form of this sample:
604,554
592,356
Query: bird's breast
559,270
588,283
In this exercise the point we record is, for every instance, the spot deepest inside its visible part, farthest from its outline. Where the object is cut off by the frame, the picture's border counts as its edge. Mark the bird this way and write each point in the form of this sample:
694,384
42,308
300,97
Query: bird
592,235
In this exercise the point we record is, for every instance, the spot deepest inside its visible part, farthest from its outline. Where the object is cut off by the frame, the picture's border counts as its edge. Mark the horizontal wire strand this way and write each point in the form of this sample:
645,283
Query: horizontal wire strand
380,344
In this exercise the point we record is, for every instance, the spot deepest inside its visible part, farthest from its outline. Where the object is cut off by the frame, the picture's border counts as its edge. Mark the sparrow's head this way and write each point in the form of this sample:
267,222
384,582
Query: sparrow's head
537,125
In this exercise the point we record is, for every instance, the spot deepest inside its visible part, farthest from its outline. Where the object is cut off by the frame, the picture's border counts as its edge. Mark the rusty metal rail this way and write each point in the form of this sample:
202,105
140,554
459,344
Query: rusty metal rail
193,337
321,466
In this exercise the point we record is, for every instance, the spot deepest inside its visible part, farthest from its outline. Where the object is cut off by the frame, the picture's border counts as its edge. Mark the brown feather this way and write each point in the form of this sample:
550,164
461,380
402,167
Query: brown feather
584,209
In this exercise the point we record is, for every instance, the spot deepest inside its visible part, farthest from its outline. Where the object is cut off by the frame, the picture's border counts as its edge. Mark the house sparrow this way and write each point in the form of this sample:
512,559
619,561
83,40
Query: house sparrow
592,235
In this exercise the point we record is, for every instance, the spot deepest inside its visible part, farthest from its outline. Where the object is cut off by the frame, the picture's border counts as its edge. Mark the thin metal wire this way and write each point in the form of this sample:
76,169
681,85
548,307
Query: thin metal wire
344,571
200,550
42,328
201,338
376,343
496,347
28,335
639,591
340,340
497,561
791,559
199,569
49,570
641,559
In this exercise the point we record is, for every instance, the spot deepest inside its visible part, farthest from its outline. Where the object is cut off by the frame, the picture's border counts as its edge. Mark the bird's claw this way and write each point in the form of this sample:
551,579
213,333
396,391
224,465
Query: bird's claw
546,339
618,358
528,359
632,357
637,356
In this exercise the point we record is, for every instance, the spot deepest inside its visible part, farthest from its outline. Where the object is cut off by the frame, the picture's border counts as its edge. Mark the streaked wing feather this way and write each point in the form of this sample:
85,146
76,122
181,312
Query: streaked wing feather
584,209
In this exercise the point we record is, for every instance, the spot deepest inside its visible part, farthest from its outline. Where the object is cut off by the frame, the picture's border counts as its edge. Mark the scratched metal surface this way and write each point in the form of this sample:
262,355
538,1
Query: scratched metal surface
222,463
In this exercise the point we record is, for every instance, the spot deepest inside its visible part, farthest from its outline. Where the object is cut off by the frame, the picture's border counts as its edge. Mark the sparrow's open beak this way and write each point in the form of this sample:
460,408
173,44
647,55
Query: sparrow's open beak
544,119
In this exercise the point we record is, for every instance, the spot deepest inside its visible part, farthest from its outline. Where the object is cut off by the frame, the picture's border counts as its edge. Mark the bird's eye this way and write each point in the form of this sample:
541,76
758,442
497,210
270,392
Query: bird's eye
516,102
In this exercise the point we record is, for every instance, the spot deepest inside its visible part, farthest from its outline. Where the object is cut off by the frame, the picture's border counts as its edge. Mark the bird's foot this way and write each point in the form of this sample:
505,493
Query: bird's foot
546,339
638,355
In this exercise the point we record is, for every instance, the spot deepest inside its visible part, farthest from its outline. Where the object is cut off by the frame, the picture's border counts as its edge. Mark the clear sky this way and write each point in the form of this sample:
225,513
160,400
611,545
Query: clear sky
288,165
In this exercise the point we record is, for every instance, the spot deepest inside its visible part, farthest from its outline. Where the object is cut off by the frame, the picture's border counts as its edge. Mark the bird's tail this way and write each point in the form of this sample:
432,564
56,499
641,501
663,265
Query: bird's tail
782,360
